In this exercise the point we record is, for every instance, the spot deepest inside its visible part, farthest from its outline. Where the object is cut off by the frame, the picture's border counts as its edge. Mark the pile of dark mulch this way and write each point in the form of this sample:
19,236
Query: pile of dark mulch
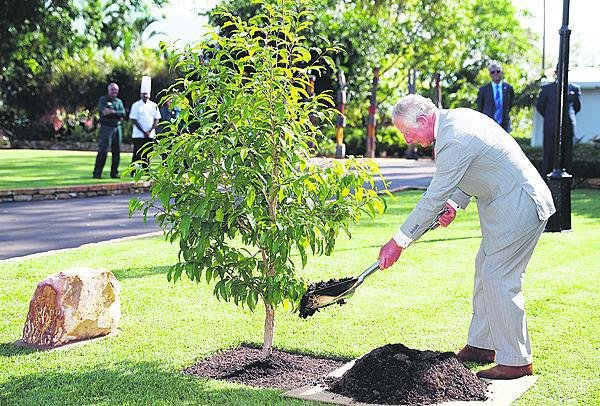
395,374
281,371
309,304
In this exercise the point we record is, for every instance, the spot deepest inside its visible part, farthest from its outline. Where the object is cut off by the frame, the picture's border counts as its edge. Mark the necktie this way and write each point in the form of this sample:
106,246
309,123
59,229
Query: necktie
498,102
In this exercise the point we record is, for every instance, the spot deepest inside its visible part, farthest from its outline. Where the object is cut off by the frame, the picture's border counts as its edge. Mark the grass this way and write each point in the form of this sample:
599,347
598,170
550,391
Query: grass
424,302
23,168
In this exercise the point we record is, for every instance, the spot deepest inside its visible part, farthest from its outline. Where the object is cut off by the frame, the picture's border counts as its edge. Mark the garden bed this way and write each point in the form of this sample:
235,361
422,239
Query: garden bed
283,370
392,374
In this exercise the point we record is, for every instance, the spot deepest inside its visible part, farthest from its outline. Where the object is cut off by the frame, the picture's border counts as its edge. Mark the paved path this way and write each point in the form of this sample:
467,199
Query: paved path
32,227
38,226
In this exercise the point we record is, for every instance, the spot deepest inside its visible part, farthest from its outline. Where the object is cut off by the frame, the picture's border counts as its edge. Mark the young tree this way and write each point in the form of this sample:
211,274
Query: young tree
237,187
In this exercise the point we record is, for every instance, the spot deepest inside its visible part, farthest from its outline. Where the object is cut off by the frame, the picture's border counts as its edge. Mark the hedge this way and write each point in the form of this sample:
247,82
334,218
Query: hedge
586,158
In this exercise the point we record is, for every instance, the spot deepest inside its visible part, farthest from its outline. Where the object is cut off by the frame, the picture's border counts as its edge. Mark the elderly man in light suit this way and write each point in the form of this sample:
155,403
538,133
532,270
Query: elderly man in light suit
476,157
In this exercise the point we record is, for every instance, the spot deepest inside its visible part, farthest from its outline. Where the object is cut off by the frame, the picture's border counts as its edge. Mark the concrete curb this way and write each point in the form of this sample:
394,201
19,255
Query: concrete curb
70,192
91,244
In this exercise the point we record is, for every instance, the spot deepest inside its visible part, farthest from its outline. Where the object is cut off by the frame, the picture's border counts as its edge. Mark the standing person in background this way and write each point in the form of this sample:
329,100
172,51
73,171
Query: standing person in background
496,98
546,106
145,116
167,114
112,113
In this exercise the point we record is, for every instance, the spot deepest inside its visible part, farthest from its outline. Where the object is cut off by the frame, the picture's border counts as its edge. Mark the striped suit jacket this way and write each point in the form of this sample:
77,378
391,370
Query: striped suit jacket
476,157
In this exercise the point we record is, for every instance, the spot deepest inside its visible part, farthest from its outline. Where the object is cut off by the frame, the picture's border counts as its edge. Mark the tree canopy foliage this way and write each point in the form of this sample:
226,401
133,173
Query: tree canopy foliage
457,38
36,36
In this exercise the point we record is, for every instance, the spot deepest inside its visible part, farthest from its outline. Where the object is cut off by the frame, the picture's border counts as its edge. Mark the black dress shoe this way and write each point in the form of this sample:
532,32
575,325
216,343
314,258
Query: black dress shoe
115,176
97,176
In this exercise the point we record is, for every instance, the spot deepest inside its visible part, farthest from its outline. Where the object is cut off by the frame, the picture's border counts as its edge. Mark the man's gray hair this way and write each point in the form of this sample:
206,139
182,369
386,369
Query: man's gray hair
494,64
410,107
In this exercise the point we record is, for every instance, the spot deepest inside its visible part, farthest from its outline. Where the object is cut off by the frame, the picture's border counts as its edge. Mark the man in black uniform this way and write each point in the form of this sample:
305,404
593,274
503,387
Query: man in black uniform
109,134
546,105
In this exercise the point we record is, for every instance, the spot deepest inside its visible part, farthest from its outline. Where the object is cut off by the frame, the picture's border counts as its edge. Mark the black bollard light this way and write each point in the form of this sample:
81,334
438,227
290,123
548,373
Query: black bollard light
559,181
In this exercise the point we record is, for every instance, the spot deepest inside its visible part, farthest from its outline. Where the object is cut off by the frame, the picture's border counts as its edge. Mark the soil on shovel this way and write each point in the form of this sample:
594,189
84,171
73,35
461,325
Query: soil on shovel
309,302
282,370
395,374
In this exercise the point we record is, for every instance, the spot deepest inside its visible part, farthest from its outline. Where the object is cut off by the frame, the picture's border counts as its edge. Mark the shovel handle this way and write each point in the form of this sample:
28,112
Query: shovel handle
436,222
375,266
370,270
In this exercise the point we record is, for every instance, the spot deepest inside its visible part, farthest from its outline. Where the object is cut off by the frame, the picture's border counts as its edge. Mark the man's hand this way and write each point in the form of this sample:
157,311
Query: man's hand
446,218
389,254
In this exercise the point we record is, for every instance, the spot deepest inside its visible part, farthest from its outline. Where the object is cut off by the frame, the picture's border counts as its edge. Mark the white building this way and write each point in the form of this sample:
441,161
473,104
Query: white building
588,118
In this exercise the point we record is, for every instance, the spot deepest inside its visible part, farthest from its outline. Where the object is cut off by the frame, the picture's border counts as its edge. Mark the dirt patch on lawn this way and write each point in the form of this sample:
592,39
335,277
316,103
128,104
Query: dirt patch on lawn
282,370
395,374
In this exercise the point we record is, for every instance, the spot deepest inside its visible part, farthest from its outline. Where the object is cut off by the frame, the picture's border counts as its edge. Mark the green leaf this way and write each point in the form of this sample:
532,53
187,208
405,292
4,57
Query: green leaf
219,214
250,196
303,54
243,153
184,226
379,206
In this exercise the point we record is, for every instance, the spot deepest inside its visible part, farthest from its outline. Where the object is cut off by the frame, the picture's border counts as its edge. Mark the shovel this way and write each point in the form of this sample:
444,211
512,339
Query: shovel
336,291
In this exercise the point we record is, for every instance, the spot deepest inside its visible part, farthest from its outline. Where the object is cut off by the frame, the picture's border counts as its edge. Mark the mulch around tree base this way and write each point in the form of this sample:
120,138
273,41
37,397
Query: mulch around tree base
395,374
282,370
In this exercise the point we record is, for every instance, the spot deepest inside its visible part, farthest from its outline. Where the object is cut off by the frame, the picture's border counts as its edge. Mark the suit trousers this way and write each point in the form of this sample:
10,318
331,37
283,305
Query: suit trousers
109,138
566,153
498,321
141,150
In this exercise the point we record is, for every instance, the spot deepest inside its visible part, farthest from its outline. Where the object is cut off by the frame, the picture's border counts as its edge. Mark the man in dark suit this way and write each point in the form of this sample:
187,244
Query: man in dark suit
546,105
496,98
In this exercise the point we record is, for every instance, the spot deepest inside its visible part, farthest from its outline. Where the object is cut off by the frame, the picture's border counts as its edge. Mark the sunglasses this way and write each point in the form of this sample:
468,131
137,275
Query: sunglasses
495,71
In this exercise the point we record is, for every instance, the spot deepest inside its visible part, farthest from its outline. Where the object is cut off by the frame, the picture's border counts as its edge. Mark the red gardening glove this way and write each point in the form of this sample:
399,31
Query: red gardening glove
389,254
446,218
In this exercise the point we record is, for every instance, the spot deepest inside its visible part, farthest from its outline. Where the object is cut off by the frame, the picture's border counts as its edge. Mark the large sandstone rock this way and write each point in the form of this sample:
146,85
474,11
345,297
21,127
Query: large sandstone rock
73,305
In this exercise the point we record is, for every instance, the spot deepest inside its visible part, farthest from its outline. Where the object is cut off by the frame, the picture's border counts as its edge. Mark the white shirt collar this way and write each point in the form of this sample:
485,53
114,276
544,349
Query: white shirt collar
499,83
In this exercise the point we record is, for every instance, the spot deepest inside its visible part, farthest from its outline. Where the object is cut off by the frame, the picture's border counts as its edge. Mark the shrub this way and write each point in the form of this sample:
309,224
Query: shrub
355,139
586,158
390,140
77,84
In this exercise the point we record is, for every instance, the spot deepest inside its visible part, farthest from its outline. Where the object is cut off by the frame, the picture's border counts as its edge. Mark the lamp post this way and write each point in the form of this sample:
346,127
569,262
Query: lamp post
372,122
437,98
544,40
411,149
559,180
340,147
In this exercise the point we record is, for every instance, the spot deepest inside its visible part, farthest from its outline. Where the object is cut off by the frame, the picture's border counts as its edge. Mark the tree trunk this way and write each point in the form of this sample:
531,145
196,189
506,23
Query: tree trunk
269,331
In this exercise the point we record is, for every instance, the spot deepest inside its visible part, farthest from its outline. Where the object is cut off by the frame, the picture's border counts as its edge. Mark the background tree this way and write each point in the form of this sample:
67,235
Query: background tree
240,193
455,37
118,25
38,36
33,34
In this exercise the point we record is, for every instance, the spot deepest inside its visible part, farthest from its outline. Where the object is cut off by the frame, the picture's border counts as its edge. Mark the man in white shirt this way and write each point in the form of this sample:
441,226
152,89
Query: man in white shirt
145,116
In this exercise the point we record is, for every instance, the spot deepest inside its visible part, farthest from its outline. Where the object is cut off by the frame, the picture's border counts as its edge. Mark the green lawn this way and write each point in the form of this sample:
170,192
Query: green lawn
23,168
423,302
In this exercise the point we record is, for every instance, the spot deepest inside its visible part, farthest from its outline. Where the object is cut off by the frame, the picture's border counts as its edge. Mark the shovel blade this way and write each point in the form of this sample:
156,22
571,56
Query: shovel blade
325,294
